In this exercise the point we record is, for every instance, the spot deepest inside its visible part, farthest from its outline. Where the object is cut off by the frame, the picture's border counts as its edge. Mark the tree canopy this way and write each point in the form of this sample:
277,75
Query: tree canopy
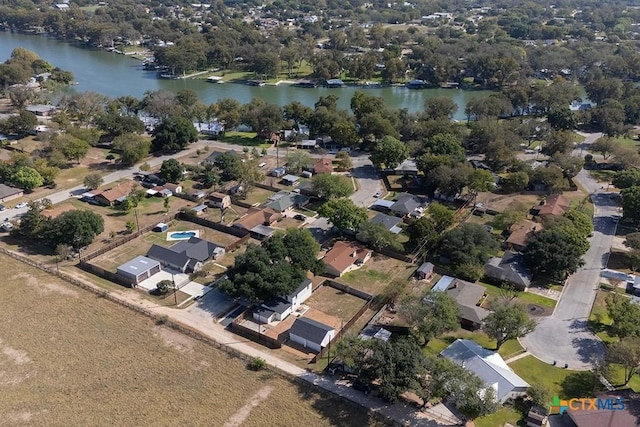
330,186
274,269
172,170
343,214
508,321
468,247
173,134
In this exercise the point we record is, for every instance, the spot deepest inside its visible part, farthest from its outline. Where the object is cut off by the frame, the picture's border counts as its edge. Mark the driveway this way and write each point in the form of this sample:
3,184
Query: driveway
564,337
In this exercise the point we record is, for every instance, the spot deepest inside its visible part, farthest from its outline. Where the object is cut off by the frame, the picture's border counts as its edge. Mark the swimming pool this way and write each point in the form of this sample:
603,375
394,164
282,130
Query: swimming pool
182,235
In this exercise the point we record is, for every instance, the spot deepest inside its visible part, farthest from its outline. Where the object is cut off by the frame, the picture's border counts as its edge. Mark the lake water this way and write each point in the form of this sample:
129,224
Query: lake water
114,75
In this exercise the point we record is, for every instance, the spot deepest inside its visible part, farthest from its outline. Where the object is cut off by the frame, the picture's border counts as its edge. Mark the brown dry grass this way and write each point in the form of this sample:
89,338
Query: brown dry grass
335,303
75,359
377,273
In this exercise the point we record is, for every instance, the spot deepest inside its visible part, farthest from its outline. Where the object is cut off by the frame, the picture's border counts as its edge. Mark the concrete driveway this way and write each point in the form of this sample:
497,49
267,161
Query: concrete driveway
564,337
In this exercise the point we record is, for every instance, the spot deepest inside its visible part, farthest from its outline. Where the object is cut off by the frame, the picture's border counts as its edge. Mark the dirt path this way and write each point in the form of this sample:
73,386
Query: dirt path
238,418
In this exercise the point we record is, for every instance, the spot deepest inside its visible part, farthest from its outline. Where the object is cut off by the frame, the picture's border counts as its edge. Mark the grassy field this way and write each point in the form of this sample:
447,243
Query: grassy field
246,139
510,348
499,418
68,357
523,297
335,303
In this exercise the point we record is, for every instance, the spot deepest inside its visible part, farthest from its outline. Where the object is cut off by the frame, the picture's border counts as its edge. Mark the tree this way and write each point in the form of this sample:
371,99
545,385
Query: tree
343,214
174,134
389,152
562,119
297,160
33,223
274,269
132,148
76,228
605,145
21,124
422,233
632,240
344,161
441,216
626,178
330,186
164,286
72,148
468,247
554,253
515,182
378,236
26,178
430,316
631,203
581,221
440,107
172,170
625,316
626,352
558,142
114,124
92,181
539,394
445,144
508,321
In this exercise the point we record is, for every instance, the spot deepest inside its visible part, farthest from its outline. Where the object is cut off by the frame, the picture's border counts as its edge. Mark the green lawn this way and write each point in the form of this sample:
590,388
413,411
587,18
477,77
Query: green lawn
246,139
500,418
524,297
615,375
561,382
365,275
628,142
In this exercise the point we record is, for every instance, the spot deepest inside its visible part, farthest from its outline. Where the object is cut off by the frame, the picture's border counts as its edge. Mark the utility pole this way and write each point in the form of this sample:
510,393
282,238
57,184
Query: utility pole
135,211
175,290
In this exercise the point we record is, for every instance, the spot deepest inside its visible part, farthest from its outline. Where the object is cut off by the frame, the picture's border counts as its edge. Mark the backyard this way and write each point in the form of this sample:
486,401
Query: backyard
376,274
335,302
50,378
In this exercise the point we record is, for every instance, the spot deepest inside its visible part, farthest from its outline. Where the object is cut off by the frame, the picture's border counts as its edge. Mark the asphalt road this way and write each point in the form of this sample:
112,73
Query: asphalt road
564,337
63,195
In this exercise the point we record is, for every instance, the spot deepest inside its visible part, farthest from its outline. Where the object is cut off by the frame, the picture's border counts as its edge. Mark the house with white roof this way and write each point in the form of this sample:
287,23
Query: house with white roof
489,367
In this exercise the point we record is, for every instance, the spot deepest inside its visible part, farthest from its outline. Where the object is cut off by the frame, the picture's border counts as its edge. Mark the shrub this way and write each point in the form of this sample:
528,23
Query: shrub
257,364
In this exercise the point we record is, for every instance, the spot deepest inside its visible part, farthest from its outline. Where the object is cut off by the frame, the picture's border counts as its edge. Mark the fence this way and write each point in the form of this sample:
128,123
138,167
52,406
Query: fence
105,274
237,232
240,203
255,336
117,243
349,290
267,187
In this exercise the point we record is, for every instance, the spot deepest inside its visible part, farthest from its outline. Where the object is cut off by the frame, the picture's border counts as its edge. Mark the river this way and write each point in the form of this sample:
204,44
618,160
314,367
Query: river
114,75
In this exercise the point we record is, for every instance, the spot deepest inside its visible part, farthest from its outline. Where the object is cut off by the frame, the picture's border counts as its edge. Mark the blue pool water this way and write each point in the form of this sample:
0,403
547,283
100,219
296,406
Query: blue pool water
182,234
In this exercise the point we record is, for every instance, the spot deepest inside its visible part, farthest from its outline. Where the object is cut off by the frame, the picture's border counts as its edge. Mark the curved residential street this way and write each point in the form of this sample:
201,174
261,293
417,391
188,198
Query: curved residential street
564,337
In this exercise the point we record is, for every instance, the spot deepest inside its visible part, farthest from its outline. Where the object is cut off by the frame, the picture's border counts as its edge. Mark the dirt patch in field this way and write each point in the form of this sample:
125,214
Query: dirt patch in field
239,417
173,339
18,357
44,287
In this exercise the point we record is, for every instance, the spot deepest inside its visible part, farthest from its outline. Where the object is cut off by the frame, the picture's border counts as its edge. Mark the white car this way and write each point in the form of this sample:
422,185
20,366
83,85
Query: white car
22,205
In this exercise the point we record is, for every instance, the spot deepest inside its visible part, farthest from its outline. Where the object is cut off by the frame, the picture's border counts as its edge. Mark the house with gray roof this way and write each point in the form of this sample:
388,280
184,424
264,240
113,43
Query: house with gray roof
276,309
311,334
389,222
284,200
468,296
9,193
186,256
489,367
138,269
509,268
405,204
425,271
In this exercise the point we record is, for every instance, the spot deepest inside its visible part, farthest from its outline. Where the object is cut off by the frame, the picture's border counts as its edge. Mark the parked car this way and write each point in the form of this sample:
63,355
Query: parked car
22,205
2,207
360,386
377,194
300,217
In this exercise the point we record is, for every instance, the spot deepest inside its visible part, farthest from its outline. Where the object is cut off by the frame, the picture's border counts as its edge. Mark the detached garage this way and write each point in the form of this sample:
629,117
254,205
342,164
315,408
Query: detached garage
311,334
138,269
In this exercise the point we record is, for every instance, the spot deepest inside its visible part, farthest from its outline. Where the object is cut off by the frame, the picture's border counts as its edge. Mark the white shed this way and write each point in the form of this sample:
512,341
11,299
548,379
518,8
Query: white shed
311,334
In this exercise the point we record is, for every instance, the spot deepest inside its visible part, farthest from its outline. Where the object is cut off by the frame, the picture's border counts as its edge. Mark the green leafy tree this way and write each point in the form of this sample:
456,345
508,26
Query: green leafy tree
441,216
27,178
378,236
93,181
430,316
440,107
343,214
114,124
627,178
22,124
445,144
174,134
468,245
605,145
76,228
297,160
73,148
33,223
389,152
344,161
626,352
422,233
631,203
581,221
230,164
625,316
632,240
508,321
172,170
331,186
515,182
132,148
539,394
164,286
554,253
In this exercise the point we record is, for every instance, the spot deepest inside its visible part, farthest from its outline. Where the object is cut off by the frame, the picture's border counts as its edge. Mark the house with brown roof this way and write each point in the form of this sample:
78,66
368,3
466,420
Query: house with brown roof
115,194
258,221
323,165
555,204
621,408
520,233
345,257
219,200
